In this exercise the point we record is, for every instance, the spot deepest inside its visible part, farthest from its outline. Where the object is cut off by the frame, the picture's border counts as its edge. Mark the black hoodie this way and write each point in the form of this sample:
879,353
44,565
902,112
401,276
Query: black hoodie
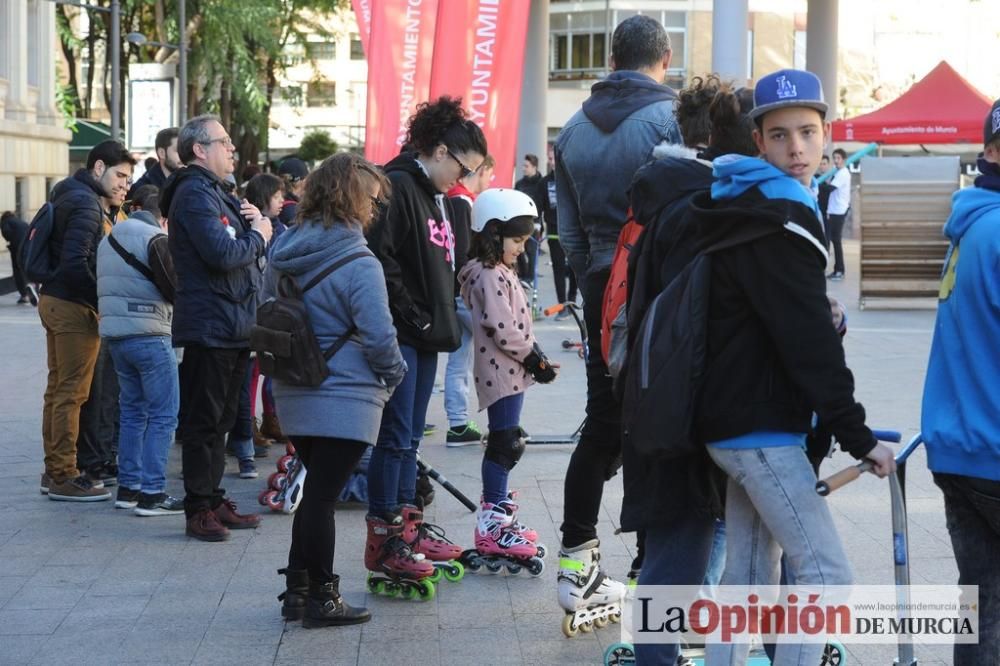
413,239
620,95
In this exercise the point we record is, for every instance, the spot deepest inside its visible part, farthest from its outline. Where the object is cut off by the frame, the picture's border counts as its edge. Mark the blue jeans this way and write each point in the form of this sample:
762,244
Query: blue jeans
149,400
504,414
772,506
392,472
972,513
240,438
456,376
678,554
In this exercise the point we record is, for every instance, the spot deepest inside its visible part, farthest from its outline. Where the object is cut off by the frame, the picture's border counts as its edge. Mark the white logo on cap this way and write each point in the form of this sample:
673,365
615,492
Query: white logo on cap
996,121
786,88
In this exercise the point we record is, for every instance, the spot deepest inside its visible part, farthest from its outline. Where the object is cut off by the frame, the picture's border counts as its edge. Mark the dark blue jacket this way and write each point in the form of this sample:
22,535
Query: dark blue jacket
76,230
217,258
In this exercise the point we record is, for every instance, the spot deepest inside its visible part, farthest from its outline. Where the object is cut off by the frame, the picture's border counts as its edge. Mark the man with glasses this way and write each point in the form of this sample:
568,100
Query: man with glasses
217,244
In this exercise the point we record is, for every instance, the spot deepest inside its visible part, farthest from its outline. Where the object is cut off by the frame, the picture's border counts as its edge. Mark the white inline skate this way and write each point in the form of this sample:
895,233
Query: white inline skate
589,597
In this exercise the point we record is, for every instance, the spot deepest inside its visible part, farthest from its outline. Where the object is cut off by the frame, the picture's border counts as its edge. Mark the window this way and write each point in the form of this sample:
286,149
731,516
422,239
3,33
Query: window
321,93
321,50
21,197
357,50
294,54
289,96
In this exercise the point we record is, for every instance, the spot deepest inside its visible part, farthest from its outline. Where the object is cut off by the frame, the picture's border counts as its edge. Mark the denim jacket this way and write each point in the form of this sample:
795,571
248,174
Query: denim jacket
598,152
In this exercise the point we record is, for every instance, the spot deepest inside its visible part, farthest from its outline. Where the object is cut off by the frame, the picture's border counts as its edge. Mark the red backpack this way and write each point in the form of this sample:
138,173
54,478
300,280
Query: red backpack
614,319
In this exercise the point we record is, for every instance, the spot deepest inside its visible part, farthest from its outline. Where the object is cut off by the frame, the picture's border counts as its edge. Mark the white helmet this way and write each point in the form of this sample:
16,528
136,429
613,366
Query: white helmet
501,204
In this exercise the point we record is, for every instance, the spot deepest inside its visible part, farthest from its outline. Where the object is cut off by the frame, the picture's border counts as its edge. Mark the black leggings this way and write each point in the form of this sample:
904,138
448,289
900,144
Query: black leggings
329,462
561,272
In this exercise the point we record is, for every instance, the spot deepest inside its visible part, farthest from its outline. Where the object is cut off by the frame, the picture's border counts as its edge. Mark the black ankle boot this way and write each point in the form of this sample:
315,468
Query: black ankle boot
293,599
326,608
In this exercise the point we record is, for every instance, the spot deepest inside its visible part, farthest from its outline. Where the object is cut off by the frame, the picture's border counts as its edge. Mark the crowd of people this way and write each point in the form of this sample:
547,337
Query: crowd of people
155,288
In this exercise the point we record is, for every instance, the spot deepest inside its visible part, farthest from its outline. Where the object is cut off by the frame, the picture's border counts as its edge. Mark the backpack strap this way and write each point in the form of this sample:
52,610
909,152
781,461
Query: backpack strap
131,259
322,275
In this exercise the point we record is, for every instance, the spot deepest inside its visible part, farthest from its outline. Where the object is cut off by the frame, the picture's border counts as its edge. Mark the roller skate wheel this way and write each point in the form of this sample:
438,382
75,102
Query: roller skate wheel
541,550
568,628
262,497
494,567
276,480
454,572
290,449
833,654
426,589
600,622
272,501
536,567
616,617
619,654
586,626
437,575
514,569
284,462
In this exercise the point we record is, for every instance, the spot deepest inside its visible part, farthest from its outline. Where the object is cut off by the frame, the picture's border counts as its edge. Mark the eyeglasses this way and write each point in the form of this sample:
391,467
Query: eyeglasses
225,141
466,171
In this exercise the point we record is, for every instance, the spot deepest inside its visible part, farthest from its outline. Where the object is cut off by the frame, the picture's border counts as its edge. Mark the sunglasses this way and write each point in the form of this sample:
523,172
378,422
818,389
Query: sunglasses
466,171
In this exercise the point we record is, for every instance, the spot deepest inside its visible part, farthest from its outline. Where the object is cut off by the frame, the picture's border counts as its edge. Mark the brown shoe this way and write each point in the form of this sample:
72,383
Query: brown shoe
79,489
43,485
205,526
271,427
226,513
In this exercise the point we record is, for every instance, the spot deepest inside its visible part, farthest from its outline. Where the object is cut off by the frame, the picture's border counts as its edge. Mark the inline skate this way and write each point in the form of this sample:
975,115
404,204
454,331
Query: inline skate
531,535
589,597
499,546
393,567
429,540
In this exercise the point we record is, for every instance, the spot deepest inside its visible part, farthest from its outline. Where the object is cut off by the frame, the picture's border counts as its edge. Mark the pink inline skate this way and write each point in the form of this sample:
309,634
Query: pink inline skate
499,546
429,540
393,567
529,534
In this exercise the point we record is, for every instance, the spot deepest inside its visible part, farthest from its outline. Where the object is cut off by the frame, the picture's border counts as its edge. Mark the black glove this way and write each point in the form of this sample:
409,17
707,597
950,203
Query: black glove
538,366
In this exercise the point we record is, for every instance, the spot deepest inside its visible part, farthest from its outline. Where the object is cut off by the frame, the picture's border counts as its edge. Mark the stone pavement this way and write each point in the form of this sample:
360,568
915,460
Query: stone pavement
86,584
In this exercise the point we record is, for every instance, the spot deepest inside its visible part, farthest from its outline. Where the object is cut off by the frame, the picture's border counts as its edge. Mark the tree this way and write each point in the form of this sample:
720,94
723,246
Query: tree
316,146
236,55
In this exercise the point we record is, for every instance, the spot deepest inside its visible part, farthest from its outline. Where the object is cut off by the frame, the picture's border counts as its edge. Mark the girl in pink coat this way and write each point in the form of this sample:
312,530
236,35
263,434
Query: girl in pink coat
506,361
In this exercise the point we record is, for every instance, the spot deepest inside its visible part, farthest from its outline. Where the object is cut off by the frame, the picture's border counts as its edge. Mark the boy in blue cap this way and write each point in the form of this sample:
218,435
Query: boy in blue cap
961,408
773,360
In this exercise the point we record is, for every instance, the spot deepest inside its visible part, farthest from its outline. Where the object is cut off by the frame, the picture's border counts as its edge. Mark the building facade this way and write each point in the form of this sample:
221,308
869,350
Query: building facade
34,150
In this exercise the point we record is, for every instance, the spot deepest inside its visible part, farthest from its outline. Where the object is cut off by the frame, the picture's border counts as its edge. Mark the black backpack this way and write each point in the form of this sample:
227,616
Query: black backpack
36,260
283,338
667,362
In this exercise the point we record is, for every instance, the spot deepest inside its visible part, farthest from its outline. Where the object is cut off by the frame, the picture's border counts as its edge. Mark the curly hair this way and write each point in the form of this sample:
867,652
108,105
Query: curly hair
487,245
732,128
339,191
444,121
692,109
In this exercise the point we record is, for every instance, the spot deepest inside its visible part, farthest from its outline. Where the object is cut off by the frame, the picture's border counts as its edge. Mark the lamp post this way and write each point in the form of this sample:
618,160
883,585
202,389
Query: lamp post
116,65
139,39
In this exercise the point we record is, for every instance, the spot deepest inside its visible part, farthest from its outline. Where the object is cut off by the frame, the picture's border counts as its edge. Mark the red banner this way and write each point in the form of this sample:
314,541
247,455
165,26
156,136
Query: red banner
363,15
399,71
480,57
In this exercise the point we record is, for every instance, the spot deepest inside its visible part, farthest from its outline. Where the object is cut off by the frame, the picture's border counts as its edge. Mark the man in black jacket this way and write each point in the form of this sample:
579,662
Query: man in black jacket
167,162
68,309
217,244
531,184
14,231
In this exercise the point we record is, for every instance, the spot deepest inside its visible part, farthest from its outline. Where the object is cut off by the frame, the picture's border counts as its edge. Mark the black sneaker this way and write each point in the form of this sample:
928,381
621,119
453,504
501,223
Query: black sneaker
127,498
160,504
463,435
105,474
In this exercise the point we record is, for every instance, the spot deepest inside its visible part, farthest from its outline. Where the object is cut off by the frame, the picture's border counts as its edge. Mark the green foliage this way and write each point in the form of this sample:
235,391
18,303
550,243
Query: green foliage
317,145
66,102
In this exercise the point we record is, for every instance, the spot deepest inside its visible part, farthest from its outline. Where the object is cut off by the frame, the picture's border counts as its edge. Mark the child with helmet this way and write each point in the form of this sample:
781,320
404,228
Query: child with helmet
506,361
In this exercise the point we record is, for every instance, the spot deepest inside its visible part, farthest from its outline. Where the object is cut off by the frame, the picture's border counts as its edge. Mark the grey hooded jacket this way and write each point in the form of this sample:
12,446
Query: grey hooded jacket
349,403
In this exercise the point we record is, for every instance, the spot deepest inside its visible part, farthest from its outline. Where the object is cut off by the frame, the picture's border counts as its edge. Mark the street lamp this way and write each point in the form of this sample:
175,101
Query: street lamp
140,39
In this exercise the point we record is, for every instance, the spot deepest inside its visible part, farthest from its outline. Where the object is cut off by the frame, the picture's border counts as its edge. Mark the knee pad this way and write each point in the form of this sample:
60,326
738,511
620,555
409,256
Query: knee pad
505,447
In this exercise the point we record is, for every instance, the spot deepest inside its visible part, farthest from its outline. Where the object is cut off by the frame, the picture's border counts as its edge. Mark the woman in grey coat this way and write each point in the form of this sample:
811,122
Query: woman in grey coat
331,425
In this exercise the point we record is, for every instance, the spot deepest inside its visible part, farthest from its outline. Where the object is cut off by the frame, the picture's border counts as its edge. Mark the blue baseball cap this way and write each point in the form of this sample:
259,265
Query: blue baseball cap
991,128
788,87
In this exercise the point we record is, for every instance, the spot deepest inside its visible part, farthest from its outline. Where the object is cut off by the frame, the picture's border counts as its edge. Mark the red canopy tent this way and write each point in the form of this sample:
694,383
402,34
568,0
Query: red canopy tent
942,107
